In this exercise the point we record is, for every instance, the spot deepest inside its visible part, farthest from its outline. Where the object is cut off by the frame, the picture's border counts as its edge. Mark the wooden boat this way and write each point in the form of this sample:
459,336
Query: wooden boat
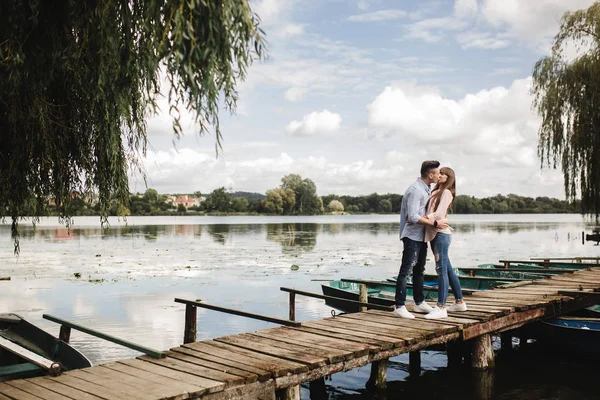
378,292
512,273
578,336
28,351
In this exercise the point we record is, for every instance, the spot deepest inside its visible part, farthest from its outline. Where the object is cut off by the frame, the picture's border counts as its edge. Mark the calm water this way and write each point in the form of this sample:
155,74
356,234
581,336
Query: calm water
131,272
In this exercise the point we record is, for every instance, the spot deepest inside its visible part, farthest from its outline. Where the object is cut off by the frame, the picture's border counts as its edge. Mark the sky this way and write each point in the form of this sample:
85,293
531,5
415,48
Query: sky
355,94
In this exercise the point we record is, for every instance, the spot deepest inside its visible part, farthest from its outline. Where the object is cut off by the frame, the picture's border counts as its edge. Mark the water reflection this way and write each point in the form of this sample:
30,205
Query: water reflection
294,237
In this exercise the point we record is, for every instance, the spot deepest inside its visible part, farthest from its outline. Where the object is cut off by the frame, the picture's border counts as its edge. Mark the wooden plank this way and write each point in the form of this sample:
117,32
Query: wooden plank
89,387
249,377
421,324
333,326
297,336
332,355
63,390
151,389
209,385
192,369
254,391
34,389
375,321
252,344
262,375
511,320
14,393
359,326
3,397
277,366
111,388
374,344
188,389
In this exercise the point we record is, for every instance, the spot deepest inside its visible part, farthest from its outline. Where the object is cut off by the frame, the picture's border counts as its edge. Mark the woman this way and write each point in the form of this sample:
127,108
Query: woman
442,197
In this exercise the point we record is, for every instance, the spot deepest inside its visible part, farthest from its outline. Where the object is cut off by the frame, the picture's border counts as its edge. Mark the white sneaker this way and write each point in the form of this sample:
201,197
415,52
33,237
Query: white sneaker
402,312
423,307
437,313
458,307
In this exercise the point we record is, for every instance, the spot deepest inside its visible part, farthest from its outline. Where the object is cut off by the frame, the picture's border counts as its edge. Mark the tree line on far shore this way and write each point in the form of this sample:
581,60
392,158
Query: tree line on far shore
298,196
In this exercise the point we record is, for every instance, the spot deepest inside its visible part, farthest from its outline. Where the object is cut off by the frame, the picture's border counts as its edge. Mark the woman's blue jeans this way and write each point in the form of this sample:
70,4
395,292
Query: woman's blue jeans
440,245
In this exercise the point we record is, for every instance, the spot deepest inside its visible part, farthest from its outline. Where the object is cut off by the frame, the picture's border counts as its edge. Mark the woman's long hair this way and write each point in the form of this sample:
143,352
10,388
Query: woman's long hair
450,184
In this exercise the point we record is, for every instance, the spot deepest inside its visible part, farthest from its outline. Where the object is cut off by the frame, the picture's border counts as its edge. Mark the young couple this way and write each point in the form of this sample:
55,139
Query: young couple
423,219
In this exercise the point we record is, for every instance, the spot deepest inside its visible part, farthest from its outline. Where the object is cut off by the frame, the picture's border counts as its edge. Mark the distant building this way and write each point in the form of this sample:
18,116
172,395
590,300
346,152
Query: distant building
186,201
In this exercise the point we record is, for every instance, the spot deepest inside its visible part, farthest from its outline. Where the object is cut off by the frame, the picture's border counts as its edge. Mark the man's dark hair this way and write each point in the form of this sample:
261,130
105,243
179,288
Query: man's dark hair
427,166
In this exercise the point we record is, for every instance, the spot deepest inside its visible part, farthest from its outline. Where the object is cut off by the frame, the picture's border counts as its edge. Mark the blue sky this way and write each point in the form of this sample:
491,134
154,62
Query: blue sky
356,93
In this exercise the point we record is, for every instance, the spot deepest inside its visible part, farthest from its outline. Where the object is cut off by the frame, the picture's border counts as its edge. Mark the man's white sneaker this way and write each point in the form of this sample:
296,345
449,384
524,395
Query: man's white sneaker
437,313
402,312
458,307
423,307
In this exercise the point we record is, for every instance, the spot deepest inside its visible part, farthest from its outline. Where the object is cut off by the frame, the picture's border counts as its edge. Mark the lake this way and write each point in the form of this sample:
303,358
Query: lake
131,272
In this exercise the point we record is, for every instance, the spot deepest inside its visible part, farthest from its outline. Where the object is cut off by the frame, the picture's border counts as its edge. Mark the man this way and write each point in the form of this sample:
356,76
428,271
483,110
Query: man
412,234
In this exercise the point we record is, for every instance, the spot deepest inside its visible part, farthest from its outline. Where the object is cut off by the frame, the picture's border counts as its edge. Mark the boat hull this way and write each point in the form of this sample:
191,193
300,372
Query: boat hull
19,331
577,336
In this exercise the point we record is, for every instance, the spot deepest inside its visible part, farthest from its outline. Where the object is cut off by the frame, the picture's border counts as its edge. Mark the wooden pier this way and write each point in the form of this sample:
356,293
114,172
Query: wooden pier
272,363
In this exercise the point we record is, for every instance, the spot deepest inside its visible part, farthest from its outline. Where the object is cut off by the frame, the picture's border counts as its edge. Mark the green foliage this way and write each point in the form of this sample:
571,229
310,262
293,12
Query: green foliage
78,78
335,206
567,97
305,191
219,200
239,204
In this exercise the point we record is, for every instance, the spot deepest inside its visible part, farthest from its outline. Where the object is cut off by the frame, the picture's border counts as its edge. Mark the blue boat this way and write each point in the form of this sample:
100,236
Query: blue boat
575,335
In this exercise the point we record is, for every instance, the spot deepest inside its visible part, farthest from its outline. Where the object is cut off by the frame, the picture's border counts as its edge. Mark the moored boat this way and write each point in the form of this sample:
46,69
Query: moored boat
579,336
28,351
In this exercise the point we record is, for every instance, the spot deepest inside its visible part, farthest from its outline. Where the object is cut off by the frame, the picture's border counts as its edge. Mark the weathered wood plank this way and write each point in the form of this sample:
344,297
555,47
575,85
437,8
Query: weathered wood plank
303,338
417,323
244,342
14,393
91,388
64,390
262,375
277,366
334,326
253,391
188,390
249,377
35,390
153,389
193,369
375,329
331,354
372,344
209,385
396,323
112,388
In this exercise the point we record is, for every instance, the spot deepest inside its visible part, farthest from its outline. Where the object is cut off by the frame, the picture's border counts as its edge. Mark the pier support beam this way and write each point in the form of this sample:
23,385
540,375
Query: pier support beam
414,362
482,352
483,384
318,390
291,393
363,296
378,376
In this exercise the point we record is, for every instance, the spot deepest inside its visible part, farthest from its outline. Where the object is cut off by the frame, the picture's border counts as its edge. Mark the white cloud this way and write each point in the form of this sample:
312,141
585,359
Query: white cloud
294,94
315,123
376,16
498,121
293,29
482,40
362,5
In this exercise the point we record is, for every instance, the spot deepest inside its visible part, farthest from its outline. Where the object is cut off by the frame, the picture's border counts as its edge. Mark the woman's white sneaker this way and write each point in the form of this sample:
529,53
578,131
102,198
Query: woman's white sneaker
402,312
437,313
423,307
458,307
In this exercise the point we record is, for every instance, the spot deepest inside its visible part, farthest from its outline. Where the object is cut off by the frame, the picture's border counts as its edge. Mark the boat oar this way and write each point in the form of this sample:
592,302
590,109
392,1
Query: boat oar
52,367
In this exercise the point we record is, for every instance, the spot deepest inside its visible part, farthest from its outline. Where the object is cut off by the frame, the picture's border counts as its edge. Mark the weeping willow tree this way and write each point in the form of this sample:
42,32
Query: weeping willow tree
567,97
79,78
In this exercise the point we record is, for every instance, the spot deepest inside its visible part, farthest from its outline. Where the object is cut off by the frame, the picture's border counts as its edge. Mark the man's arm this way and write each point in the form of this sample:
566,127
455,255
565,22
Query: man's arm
412,207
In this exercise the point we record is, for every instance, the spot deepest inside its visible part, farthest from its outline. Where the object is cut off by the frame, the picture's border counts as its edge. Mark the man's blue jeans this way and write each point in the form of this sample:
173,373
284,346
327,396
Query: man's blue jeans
414,257
440,245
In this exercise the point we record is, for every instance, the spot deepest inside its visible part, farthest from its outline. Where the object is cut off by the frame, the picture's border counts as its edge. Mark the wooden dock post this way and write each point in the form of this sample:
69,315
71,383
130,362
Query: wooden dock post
414,361
189,332
363,296
484,384
482,352
65,333
378,378
318,390
290,393
292,315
